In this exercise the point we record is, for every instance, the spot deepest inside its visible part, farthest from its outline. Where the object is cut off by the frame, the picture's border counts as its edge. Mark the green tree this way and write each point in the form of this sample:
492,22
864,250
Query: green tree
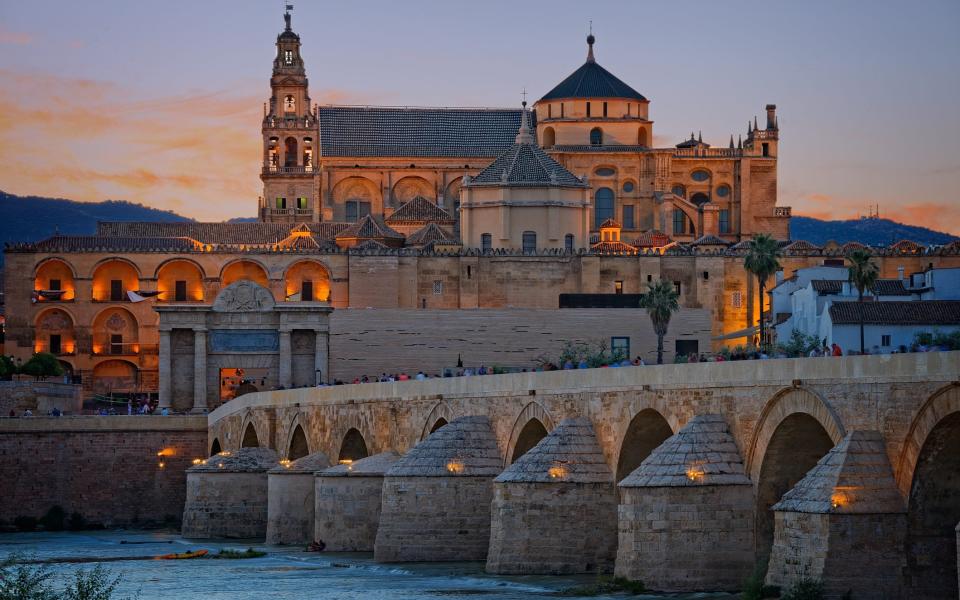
762,261
7,368
661,301
42,364
863,274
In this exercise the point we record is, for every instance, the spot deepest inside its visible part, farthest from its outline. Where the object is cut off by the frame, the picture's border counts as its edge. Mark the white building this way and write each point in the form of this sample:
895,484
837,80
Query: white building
820,301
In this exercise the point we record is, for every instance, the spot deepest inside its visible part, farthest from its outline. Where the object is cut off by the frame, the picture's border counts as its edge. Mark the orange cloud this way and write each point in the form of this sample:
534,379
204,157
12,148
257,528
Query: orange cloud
18,38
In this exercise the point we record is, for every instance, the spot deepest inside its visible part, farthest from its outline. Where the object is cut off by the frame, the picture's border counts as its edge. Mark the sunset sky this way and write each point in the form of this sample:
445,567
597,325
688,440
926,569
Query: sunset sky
160,102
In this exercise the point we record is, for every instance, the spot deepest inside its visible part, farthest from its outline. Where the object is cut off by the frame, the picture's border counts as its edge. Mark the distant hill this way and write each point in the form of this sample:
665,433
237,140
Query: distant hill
873,232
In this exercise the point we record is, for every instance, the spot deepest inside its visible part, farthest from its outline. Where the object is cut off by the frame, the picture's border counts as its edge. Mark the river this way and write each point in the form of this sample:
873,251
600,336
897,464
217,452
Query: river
283,574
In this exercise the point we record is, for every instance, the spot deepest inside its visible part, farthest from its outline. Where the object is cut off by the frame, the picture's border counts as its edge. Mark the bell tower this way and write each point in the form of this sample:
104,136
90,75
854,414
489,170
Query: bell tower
289,137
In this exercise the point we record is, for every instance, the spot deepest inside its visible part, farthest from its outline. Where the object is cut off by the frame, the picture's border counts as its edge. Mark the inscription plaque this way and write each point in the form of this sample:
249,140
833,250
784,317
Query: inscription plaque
244,340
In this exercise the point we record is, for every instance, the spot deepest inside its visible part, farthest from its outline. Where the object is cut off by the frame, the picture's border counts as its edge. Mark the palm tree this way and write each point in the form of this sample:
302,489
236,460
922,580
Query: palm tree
661,301
863,274
761,260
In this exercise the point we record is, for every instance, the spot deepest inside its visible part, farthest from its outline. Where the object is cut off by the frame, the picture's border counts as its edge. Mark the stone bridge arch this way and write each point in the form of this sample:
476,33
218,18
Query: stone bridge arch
249,423
297,445
648,427
531,425
349,428
794,431
939,405
441,412
929,474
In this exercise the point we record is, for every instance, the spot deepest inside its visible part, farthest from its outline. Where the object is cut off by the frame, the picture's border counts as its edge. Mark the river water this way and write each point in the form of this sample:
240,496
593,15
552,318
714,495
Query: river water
283,574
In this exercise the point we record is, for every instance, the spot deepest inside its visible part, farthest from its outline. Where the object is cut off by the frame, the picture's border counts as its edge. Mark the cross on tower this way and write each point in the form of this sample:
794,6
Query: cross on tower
524,94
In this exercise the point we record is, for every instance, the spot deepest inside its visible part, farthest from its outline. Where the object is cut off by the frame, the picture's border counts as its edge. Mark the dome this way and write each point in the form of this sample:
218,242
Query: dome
592,81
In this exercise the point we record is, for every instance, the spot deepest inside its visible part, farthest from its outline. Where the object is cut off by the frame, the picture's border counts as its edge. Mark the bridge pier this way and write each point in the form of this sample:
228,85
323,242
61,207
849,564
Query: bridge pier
227,495
844,523
554,509
348,500
290,504
436,498
686,514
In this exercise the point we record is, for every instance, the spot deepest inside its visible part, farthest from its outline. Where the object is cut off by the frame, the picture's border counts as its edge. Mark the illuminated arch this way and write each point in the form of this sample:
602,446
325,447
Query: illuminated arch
314,271
55,269
115,321
179,269
52,321
244,268
115,376
353,447
113,269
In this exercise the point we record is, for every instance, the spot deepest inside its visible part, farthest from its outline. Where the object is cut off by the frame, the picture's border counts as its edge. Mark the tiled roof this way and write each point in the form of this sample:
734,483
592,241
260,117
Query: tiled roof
692,143
897,312
613,248
311,463
890,287
801,246
406,131
592,81
702,453
855,477
525,165
652,239
102,243
244,460
851,246
369,246
610,223
709,240
215,233
907,247
569,454
369,228
827,286
464,447
429,234
419,210
371,466
598,148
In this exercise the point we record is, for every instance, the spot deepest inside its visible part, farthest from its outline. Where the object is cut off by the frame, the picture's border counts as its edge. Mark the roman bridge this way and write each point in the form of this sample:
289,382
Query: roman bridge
783,415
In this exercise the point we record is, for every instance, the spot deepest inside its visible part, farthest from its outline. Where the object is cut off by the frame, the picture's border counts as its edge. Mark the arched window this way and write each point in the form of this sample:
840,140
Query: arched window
568,242
529,242
642,137
699,198
549,137
289,104
679,190
290,160
596,137
604,206
486,242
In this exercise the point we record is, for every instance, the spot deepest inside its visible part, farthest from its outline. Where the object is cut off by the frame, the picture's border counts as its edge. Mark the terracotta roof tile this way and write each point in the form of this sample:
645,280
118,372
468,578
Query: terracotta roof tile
827,286
890,287
430,234
420,210
897,312
369,228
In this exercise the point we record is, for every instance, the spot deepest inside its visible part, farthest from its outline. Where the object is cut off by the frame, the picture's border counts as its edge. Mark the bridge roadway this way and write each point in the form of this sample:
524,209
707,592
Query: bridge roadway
784,415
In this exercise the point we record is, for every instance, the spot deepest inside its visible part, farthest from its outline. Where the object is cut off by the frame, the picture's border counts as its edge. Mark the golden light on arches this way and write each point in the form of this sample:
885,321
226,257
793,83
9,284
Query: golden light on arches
843,495
557,471
455,467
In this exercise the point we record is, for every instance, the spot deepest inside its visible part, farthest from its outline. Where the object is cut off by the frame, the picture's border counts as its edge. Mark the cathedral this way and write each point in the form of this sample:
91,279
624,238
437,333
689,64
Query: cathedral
408,239
334,164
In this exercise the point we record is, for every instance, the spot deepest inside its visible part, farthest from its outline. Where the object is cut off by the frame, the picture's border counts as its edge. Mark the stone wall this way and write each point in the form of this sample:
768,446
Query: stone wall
444,518
290,508
347,512
39,396
104,468
366,342
686,538
225,505
553,528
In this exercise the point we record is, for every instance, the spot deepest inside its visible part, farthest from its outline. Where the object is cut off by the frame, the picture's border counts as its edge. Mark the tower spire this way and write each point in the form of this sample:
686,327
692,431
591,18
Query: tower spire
590,41
286,17
524,136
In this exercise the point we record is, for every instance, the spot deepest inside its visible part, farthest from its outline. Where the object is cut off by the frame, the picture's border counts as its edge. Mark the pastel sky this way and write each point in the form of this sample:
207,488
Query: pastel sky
160,102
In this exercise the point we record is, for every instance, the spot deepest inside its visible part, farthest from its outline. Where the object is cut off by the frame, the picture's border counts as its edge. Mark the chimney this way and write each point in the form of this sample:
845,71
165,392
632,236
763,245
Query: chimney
771,116
900,272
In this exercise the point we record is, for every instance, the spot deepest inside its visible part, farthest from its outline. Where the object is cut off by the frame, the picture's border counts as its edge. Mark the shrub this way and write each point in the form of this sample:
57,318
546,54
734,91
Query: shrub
95,584
799,344
25,523
76,522
804,589
54,519
20,581
7,368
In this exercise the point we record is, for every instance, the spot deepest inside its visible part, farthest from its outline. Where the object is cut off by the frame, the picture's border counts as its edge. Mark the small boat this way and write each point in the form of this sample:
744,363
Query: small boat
184,555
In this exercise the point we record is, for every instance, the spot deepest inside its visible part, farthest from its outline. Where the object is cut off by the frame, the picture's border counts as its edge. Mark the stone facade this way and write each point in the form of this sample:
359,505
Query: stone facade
436,498
227,495
686,514
107,469
348,503
844,523
39,396
290,499
538,521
